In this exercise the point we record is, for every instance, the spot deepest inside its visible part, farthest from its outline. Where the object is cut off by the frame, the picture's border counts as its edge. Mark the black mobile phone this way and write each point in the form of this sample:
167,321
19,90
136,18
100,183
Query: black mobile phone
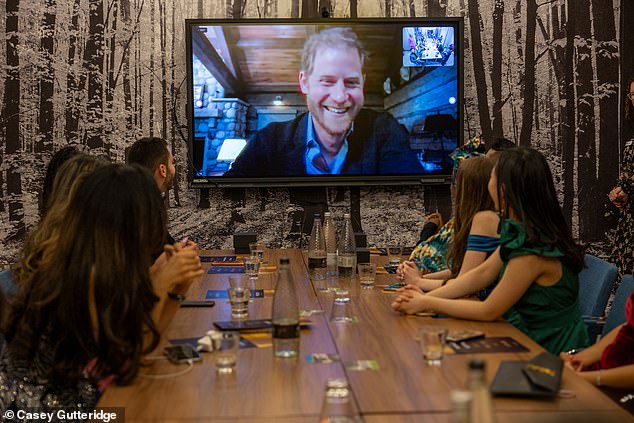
181,353
198,303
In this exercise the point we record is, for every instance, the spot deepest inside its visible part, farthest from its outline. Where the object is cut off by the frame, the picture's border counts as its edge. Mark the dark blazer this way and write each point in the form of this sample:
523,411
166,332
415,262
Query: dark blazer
378,145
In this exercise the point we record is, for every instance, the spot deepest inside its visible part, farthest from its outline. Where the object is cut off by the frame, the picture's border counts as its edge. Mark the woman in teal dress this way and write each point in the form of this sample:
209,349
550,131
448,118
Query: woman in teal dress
536,266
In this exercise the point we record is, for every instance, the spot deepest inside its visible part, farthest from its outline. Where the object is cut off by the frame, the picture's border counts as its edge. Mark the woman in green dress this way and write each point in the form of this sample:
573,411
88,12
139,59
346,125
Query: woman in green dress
536,266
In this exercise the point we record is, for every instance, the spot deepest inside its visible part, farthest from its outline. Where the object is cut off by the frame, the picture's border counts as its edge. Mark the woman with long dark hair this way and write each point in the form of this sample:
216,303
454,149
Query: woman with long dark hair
89,311
538,261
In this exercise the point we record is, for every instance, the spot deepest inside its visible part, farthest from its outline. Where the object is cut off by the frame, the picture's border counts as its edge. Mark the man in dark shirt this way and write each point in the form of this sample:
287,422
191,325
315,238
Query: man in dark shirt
337,135
154,154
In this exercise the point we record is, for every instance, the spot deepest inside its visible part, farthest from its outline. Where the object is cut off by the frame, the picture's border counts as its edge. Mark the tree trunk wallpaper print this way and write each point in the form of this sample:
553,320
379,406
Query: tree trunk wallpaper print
102,73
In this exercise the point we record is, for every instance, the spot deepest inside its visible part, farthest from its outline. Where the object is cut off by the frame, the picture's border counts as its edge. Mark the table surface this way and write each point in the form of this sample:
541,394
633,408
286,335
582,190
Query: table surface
264,388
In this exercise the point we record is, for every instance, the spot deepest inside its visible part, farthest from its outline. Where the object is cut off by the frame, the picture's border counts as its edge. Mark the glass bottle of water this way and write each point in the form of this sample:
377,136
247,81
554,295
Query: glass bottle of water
285,313
460,406
330,238
481,403
317,251
347,253
338,406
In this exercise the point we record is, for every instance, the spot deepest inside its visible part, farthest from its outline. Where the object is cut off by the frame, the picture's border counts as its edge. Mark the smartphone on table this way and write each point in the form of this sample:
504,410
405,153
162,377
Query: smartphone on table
181,353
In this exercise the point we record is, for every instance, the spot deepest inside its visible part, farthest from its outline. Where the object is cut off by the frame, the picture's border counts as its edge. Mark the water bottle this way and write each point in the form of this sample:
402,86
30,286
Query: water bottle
317,251
481,403
338,406
347,253
330,238
460,406
285,313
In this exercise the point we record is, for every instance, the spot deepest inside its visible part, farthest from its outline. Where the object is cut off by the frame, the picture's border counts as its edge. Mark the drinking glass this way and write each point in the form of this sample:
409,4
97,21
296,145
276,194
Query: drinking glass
367,273
225,351
432,343
394,253
239,294
252,267
341,310
257,250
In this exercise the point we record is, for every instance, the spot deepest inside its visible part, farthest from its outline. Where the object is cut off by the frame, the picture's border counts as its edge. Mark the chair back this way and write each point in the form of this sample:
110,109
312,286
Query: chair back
595,285
616,316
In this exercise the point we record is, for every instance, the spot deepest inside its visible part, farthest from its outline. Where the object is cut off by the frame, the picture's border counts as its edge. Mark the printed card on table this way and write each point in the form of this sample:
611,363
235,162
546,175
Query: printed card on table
322,358
361,365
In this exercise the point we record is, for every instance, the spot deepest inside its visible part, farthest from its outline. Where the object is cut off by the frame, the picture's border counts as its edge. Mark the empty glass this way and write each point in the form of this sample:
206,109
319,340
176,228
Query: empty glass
252,267
432,343
341,310
367,273
394,253
257,250
239,295
225,351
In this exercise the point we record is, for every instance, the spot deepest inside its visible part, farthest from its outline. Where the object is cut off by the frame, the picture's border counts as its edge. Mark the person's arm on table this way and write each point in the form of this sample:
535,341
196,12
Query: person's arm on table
172,274
616,377
520,274
590,355
473,280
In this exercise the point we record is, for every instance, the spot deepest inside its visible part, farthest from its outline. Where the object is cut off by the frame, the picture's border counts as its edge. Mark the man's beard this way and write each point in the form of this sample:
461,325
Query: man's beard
168,182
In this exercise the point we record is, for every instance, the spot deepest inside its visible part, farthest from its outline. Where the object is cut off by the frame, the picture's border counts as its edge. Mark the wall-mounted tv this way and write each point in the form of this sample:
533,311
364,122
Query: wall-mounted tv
323,102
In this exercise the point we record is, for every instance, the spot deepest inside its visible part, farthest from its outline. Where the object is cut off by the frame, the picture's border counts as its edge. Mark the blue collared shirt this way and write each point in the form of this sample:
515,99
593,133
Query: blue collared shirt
313,149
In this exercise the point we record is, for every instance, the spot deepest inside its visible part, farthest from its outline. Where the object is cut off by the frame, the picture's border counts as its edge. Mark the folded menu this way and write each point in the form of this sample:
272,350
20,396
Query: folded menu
538,377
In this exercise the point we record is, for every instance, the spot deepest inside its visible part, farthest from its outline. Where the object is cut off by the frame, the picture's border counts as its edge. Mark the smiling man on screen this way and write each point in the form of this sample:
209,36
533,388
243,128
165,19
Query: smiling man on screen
337,135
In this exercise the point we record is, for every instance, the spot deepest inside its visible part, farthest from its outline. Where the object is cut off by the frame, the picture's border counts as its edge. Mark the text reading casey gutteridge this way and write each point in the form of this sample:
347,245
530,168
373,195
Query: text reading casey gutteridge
105,415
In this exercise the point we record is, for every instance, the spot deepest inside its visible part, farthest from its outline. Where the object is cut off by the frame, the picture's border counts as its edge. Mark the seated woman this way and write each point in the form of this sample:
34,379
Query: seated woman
538,261
89,311
609,362
430,256
475,227
62,188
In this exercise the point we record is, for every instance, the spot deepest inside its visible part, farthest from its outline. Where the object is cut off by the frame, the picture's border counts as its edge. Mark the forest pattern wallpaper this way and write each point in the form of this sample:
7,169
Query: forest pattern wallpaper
101,73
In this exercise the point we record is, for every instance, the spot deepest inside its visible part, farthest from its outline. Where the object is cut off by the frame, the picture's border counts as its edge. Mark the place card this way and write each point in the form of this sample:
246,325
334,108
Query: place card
215,270
218,259
322,358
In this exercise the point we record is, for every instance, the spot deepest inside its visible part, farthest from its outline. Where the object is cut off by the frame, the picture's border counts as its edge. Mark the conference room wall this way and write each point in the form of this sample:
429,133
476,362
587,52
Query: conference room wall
534,73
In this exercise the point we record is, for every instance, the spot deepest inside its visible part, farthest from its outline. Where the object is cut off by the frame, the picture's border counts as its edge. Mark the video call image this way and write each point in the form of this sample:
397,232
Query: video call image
319,100
424,46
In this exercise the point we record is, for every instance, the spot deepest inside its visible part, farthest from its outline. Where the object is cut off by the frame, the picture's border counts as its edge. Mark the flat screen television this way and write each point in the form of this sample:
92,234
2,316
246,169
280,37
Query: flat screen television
283,102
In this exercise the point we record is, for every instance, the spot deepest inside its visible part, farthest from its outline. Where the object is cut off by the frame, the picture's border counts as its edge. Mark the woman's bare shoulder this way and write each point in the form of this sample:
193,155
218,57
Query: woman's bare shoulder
485,222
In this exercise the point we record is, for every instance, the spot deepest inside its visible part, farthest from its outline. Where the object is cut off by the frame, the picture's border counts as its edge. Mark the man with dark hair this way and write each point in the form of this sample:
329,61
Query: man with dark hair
337,135
499,144
153,154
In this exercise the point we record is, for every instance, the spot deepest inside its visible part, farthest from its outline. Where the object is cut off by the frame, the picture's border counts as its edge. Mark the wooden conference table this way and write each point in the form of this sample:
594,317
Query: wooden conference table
404,389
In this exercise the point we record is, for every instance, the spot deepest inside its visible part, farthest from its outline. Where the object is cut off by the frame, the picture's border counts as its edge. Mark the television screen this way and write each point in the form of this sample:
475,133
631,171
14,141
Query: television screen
328,102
